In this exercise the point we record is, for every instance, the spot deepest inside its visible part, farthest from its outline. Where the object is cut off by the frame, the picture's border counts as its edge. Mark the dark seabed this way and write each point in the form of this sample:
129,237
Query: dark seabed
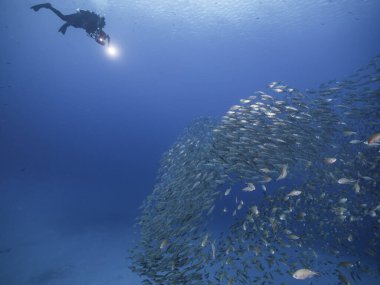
225,142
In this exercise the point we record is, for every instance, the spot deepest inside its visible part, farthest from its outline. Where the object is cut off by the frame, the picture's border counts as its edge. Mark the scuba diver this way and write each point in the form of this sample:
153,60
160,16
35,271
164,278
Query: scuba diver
89,21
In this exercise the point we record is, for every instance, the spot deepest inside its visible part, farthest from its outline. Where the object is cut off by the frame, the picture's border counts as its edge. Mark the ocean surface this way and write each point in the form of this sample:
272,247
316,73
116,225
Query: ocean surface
222,142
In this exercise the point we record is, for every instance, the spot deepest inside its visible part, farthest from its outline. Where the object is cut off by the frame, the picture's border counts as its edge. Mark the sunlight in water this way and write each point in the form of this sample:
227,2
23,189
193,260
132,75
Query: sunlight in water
203,14
101,4
190,11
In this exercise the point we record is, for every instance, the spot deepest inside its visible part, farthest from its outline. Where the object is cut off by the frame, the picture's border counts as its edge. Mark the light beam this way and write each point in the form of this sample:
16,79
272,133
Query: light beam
112,51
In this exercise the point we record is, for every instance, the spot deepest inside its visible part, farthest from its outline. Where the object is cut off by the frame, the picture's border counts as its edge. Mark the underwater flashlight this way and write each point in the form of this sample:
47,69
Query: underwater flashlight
112,51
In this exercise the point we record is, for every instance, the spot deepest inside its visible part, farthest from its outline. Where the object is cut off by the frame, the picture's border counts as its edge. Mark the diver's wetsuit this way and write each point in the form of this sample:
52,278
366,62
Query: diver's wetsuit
89,21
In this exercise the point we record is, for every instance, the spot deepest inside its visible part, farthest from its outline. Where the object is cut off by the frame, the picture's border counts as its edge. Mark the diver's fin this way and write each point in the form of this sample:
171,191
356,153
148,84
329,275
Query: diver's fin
63,28
39,6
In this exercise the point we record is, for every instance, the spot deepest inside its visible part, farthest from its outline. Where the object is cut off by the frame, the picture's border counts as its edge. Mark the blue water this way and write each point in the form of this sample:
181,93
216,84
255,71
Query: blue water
82,133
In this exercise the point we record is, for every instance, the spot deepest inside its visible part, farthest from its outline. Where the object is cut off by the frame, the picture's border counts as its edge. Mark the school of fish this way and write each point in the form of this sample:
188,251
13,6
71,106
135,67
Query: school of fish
284,186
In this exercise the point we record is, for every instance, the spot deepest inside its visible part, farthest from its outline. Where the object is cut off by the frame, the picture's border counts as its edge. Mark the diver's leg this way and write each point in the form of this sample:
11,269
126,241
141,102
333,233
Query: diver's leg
64,28
58,13
39,6
50,7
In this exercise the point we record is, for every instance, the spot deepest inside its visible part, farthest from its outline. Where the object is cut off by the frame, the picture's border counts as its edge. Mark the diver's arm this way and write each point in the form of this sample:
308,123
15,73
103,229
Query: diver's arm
108,39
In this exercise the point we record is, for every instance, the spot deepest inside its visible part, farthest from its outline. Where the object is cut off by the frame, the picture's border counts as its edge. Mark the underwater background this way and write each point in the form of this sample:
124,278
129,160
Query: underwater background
83,134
